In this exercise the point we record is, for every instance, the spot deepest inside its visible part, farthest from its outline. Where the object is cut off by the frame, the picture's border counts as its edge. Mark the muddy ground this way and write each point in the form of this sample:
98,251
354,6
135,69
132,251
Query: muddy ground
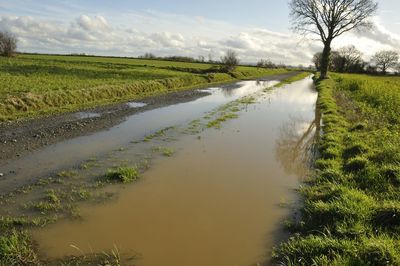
21,137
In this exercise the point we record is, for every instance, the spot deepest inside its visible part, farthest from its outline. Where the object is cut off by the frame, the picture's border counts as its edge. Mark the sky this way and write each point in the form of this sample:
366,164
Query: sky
255,29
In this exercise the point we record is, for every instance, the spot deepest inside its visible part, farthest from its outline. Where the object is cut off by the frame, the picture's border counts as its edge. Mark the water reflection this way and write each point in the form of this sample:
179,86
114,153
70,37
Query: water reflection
86,115
219,195
246,87
71,152
296,146
136,104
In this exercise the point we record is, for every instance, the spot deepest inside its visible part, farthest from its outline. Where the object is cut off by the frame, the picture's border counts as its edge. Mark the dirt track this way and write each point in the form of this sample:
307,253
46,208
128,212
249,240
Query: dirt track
19,138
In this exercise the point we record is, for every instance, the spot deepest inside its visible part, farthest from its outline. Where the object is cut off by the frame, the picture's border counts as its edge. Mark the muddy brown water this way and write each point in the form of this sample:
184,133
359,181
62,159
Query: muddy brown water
217,201
67,153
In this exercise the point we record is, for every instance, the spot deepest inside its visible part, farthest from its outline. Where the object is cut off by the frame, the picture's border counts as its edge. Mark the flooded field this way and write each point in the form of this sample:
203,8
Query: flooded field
71,152
217,177
219,201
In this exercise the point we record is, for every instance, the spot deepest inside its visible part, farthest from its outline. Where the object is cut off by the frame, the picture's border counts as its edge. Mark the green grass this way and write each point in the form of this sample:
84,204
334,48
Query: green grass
351,210
111,258
16,249
165,151
122,174
66,174
223,117
35,85
52,197
158,134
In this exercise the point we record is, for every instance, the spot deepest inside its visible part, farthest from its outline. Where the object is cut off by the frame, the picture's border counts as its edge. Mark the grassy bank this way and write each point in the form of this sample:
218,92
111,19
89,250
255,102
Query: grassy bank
34,85
351,209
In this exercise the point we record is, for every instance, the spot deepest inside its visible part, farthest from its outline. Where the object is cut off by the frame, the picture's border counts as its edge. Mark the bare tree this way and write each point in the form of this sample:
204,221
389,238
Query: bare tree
351,57
336,62
148,56
385,60
230,60
346,59
265,63
261,63
330,19
8,44
370,69
317,60
210,58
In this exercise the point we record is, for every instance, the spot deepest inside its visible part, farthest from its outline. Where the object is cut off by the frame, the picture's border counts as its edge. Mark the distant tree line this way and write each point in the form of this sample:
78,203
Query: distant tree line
229,61
200,59
266,63
349,59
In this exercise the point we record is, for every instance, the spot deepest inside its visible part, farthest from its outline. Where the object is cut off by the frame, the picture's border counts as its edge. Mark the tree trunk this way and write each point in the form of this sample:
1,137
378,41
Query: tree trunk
325,59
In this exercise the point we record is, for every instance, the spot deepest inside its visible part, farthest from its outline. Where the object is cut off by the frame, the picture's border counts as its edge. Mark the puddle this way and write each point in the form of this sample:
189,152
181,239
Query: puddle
86,115
218,201
136,104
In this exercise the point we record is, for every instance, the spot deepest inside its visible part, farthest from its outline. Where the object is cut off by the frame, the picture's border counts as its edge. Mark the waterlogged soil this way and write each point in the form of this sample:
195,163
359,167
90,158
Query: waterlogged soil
108,148
22,137
220,193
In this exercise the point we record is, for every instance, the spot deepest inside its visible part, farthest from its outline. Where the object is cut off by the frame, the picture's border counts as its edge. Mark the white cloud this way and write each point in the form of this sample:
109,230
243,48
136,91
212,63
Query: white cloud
97,23
168,40
133,34
371,41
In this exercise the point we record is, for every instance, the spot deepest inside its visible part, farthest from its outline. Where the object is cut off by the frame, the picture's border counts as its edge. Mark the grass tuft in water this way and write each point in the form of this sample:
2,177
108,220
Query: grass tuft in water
122,174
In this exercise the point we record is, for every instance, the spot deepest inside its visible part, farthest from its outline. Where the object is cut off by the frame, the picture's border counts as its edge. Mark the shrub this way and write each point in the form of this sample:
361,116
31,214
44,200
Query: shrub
230,61
8,44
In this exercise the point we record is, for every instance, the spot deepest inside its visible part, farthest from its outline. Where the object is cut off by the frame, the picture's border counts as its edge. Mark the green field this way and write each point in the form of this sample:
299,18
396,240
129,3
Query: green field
33,85
351,209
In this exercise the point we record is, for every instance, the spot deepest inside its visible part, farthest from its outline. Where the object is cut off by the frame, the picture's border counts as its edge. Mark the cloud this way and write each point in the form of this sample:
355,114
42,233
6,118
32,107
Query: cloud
371,41
278,47
168,40
27,26
380,35
244,41
133,34
97,23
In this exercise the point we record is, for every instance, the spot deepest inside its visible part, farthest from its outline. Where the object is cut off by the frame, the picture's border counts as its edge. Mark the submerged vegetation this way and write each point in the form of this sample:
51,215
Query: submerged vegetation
216,123
34,85
122,174
351,212
165,151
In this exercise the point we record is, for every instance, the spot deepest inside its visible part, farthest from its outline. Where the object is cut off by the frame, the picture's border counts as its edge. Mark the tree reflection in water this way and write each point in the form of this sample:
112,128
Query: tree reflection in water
296,146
